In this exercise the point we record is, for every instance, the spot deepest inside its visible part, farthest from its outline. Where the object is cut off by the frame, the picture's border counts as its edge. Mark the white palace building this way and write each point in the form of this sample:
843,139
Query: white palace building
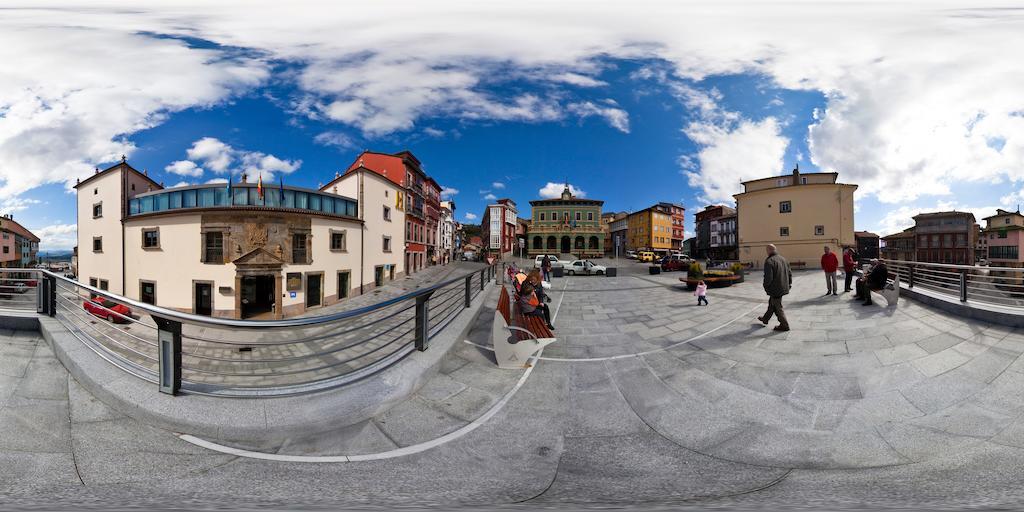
231,251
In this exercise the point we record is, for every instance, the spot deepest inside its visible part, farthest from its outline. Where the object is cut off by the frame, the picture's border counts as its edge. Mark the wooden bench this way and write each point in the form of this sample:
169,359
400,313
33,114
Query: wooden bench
516,336
891,291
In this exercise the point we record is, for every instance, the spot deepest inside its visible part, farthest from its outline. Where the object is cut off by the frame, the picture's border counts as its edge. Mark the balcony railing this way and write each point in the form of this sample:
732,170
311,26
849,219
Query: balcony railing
1002,286
242,358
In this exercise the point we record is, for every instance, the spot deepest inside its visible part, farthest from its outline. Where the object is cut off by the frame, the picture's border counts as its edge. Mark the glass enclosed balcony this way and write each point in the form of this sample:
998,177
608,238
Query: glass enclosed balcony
243,195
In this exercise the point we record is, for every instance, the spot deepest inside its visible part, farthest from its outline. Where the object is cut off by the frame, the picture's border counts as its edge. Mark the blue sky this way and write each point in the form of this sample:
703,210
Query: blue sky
631,107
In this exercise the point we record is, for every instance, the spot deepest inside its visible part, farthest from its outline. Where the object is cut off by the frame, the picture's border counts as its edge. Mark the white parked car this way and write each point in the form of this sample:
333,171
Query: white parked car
631,255
584,268
554,261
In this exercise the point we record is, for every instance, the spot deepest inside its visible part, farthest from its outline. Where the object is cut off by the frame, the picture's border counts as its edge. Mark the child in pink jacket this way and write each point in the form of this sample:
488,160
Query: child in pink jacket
702,293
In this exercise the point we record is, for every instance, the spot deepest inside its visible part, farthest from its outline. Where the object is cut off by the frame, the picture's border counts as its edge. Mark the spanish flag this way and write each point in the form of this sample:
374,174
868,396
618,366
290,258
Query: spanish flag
259,186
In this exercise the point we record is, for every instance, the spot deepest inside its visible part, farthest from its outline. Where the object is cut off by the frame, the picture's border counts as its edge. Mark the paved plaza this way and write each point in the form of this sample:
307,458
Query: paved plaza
645,398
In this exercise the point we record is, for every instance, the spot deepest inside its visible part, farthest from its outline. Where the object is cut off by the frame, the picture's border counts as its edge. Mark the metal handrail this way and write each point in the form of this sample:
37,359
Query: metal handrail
160,357
1003,286
191,318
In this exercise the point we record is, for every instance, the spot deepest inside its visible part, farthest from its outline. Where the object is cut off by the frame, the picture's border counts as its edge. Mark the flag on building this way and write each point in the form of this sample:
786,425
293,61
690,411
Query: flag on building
231,197
281,189
259,186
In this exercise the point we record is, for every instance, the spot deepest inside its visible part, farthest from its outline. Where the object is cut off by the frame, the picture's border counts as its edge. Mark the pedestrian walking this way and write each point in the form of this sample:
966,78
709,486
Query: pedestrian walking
830,264
849,267
777,279
545,267
702,293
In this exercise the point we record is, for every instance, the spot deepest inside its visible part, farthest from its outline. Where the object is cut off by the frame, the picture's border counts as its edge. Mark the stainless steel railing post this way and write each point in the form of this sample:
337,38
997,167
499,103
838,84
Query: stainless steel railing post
422,321
482,272
169,352
469,290
911,278
963,286
51,294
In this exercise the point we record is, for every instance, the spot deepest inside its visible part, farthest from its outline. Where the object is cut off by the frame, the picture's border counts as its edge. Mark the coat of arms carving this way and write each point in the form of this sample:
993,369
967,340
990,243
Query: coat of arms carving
255,235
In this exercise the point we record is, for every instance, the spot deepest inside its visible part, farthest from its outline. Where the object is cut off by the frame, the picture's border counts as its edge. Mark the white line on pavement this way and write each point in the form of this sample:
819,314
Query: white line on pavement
390,454
637,354
399,452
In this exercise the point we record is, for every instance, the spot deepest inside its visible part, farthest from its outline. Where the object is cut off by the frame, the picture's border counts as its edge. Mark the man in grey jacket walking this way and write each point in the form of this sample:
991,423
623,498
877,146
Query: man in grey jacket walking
777,280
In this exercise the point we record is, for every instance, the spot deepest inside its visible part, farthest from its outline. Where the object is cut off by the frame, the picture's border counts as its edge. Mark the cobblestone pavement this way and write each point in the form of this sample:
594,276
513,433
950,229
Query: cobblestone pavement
856,406
279,357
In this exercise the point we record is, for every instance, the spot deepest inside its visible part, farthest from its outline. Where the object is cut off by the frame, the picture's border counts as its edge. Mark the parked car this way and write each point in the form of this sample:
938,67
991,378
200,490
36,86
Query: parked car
20,287
554,261
675,262
631,255
645,256
106,308
584,268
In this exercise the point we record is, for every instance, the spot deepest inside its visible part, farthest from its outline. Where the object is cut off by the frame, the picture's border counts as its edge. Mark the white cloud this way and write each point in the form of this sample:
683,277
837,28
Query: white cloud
448,192
214,154
180,184
616,117
57,236
497,185
67,103
222,158
16,204
185,168
217,180
902,218
733,153
335,139
470,216
433,132
897,121
553,190
490,197
576,79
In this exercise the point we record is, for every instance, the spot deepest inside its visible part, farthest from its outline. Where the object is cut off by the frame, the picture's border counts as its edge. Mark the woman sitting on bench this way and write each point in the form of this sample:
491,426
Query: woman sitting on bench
530,305
538,285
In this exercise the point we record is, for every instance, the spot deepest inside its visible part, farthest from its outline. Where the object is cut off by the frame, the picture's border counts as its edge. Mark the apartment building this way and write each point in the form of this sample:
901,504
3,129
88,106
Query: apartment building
419,200
678,213
702,224
799,213
946,237
867,244
19,247
724,240
899,246
1003,235
498,226
446,232
651,229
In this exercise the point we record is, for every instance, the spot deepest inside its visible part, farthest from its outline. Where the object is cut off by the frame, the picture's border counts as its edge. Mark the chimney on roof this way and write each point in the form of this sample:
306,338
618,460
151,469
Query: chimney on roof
124,159
796,175
145,172
245,178
96,170
337,174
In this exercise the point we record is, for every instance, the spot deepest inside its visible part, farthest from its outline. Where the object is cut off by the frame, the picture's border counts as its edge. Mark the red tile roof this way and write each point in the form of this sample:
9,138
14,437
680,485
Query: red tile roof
389,166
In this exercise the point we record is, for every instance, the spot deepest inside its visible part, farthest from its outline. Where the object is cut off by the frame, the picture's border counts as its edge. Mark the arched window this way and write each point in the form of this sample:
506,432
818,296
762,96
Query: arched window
537,243
552,243
579,242
593,243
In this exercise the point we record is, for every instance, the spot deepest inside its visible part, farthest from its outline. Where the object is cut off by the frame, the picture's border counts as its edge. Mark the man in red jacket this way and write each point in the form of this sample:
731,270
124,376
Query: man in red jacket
829,263
849,266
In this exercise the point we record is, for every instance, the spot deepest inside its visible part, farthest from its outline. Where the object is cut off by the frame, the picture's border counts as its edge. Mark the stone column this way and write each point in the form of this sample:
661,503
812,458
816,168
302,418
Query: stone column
278,299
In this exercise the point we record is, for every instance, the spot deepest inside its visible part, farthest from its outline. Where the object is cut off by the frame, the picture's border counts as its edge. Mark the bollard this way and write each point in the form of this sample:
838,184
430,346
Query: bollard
422,321
469,287
963,286
168,339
